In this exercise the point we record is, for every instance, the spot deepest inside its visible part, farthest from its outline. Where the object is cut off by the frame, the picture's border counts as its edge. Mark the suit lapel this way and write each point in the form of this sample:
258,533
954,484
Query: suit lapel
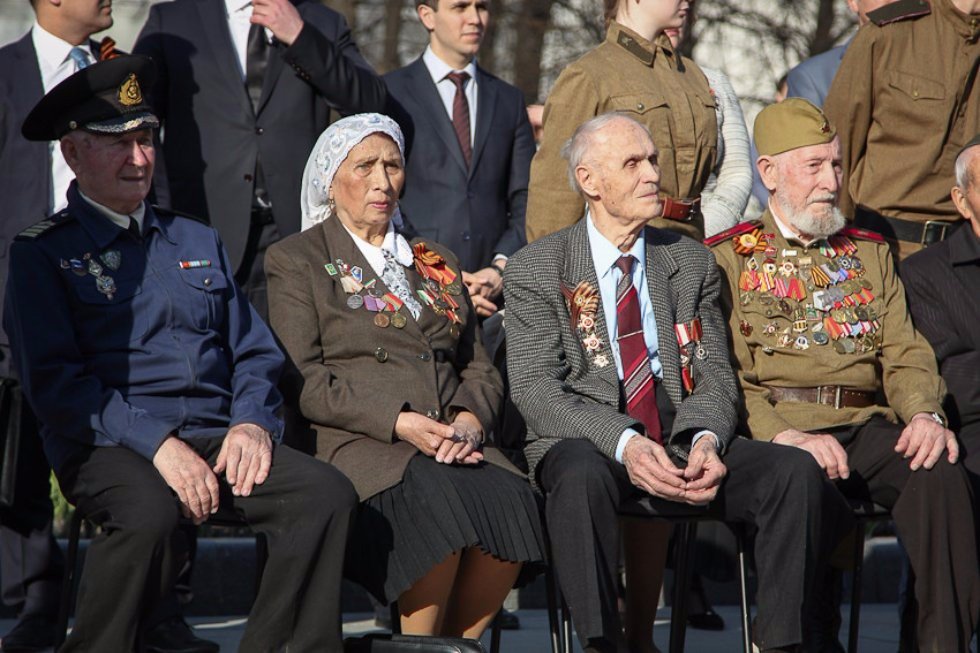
660,268
272,72
340,244
579,267
486,106
214,22
423,89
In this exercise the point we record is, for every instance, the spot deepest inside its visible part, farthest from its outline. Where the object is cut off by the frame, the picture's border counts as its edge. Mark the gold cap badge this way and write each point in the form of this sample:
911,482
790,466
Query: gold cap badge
129,92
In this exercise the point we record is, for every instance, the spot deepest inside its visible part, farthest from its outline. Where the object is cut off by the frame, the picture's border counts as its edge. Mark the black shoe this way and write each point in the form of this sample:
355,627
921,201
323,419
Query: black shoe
175,636
31,633
707,620
508,620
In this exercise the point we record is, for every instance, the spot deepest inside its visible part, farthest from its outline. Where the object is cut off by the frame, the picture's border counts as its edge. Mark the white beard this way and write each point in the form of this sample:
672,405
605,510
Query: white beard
816,227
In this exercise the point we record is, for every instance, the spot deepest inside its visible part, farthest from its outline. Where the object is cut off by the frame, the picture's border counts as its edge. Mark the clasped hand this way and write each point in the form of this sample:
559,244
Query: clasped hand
651,470
245,458
458,442
484,286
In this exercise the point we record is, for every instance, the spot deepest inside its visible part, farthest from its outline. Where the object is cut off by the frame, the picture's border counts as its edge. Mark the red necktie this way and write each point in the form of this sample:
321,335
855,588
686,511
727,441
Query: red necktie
639,386
461,114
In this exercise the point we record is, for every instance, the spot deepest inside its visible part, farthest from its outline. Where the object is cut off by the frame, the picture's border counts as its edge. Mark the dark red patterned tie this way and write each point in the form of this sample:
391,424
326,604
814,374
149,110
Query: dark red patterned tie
639,385
461,114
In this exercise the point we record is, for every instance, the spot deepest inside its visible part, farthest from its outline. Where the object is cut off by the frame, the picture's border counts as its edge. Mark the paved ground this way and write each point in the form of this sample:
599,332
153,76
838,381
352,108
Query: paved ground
879,631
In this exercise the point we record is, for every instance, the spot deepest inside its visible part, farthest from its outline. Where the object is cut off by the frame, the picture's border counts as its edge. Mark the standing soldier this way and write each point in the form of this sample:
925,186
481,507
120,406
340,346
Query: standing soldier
906,101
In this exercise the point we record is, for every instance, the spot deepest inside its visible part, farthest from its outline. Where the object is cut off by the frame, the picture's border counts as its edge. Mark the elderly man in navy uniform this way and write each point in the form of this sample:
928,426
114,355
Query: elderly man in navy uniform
155,384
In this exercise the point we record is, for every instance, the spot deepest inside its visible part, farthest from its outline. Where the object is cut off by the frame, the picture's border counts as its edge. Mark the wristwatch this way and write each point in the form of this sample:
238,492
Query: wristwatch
938,419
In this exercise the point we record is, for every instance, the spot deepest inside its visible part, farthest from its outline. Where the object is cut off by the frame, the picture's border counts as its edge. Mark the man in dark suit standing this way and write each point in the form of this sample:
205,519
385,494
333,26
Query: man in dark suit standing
245,89
33,181
618,360
468,146
942,284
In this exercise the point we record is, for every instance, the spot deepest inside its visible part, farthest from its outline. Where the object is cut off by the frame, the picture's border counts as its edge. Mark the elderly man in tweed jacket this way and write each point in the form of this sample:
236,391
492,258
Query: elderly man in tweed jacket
581,318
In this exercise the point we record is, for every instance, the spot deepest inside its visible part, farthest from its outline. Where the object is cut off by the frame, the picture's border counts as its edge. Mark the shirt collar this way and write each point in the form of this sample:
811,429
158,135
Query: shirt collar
964,245
233,7
966,25
644,50
51,50
605,254
119,219
393,243
789,234
438,69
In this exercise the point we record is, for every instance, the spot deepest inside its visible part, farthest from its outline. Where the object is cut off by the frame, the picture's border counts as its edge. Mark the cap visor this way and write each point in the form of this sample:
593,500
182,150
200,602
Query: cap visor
123,124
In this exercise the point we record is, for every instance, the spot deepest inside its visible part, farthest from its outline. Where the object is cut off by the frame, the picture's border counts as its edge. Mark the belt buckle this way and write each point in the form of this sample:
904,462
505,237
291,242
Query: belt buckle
838,395
941,225
692,207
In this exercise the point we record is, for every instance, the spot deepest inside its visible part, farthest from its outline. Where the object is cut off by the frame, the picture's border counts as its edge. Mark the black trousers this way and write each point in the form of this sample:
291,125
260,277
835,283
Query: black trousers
304,509
262,233
935,517
31,564
780,491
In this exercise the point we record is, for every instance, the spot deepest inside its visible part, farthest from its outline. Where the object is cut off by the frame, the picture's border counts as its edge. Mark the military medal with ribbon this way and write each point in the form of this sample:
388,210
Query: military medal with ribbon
439,285
583,303
689,333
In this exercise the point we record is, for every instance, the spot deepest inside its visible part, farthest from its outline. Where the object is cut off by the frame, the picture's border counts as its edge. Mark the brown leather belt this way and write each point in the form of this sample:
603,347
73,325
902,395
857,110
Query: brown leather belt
924,233
829,395
681,210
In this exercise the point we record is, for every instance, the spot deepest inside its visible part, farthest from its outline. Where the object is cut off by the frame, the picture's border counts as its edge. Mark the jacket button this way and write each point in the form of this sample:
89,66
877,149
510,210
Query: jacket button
466,235
248,177
432,413
424,356
381,354
207,281
259,131
639,106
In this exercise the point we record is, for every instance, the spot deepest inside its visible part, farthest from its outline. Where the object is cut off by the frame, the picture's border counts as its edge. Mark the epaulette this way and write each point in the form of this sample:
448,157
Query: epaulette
863,234
899,10
44,226
160,210
737,230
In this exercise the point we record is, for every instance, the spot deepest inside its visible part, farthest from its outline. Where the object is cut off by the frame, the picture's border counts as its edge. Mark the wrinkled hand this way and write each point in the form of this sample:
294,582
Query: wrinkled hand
280,17
828,452
427,435
650,469
464,446
704,472
480,288
245,458
923,440
189,476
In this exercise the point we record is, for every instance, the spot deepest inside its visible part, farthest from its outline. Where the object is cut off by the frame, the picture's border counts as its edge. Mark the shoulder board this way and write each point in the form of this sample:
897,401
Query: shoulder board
899,10
740,228
159,210
863,234
44,226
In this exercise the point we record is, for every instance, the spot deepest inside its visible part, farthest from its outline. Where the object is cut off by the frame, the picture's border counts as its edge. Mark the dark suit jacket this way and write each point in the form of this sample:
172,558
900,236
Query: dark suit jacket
25,166
475,212
212,136
564,394
335,377
943,287
811,79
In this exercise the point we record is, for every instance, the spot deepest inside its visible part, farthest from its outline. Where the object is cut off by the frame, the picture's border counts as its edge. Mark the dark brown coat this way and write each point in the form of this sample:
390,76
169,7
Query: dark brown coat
336,376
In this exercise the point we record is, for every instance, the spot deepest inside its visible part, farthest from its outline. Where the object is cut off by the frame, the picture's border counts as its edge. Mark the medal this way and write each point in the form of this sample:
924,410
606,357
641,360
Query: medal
820,338
357,273
454,288
106,286
112,259
382,320
745,328
454,330
354,302
330,268
399,321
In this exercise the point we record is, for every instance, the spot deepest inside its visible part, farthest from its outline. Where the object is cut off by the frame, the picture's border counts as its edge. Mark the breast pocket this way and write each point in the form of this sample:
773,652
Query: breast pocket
914,98
641,106
204,292
107,313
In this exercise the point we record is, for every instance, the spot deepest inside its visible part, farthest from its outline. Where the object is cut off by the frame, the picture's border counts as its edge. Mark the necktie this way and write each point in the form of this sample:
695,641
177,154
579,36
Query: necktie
256,60
134,228
79,56
639,386
394,277
461,114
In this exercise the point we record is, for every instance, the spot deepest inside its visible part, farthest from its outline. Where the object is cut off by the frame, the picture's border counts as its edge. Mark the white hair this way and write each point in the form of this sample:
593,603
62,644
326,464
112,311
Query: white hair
964,178
575,148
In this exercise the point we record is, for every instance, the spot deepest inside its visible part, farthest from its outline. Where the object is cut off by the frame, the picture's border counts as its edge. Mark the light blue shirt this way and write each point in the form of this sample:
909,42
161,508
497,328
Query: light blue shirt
604,257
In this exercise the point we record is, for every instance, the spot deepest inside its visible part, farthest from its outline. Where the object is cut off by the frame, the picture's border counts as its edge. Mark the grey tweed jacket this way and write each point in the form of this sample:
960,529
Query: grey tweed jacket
559,389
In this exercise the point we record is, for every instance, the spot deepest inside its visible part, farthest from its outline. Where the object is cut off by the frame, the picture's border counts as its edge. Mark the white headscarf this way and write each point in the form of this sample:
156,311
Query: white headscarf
333,146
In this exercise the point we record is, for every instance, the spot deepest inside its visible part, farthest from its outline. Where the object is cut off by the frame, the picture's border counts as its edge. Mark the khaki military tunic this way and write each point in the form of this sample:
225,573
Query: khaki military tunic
905,100
651,83
832,313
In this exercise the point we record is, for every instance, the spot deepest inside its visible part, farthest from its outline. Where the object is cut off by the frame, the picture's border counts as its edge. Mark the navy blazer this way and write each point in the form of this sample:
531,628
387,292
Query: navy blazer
478,211
212,136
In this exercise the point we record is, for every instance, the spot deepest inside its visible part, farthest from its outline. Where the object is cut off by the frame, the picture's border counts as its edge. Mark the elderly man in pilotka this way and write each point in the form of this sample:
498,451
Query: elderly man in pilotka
155,385
829,362
618,357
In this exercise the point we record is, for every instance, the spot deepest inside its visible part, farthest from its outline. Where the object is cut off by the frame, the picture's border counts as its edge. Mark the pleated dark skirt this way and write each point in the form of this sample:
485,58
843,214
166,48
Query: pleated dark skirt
401,533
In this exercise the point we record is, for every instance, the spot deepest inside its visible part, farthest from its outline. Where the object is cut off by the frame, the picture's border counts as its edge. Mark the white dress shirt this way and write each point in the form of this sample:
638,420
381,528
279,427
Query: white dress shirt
439,70
119,219
56,65
239,13
604,257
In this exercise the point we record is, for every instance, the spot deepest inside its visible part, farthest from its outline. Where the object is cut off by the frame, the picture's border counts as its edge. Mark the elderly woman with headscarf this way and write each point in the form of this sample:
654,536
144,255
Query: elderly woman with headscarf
390,373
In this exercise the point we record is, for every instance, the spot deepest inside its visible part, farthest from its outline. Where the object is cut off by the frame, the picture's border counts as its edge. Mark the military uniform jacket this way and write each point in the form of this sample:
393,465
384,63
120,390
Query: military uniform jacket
351,378
562,376
904,101
649,82
122,341
832,313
